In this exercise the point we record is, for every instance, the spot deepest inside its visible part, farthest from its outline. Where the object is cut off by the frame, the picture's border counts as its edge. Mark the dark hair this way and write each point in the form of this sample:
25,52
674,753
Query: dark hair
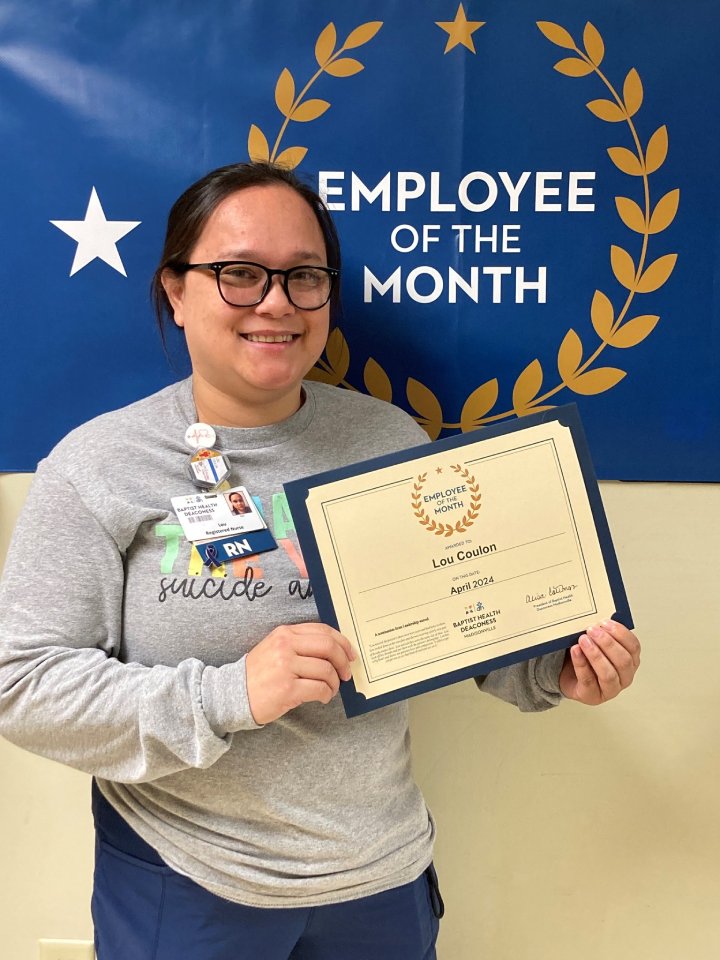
193,209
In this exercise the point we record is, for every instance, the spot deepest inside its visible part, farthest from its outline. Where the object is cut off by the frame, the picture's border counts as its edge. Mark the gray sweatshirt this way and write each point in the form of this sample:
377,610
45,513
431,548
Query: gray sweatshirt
121,655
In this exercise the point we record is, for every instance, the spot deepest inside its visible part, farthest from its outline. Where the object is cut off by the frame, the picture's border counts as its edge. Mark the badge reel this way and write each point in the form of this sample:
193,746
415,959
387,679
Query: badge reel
207,467
215,529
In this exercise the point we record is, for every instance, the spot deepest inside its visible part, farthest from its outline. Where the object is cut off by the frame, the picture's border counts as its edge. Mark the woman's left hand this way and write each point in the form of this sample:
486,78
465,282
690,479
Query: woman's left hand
601,664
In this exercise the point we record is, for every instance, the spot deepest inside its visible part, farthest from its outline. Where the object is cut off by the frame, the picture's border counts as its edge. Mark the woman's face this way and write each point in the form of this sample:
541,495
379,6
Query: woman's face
253,356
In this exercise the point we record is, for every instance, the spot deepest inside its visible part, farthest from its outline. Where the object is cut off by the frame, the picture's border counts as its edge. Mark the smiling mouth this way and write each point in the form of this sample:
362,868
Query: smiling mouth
261,338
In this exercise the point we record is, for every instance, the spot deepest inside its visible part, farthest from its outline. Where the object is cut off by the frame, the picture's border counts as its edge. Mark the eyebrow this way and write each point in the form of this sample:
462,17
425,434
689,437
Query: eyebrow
299,256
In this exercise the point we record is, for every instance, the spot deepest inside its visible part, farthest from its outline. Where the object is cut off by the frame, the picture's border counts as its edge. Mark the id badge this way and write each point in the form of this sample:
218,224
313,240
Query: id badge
223,525
206,516
208,468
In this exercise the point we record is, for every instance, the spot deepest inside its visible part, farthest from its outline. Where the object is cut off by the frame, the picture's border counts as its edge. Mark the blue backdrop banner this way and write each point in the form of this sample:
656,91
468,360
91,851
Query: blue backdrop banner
526,195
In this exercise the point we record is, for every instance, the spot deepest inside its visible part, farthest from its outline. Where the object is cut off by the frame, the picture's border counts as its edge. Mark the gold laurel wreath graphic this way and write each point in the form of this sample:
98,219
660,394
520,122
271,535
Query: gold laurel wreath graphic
296,108
447,529
575,368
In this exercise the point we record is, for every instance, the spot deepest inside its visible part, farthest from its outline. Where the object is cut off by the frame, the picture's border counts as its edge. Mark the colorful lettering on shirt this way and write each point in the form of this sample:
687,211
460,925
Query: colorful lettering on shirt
241,565
295,555
282,521
172,533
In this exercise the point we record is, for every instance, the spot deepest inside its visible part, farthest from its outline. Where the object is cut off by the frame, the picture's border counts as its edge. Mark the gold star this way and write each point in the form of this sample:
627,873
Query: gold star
439,470
460,30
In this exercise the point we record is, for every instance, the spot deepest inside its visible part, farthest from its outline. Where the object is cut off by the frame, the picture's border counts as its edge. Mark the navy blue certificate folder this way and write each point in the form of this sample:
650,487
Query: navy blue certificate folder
433,518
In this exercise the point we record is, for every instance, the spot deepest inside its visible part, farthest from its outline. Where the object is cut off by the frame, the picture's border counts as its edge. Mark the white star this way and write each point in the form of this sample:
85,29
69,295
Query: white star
96,236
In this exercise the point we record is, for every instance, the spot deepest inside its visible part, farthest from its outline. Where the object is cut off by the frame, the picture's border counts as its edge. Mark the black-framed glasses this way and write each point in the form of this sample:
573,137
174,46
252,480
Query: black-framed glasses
242,283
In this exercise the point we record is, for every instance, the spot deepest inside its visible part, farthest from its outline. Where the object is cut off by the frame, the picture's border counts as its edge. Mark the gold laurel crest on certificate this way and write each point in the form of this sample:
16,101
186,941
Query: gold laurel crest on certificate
464,554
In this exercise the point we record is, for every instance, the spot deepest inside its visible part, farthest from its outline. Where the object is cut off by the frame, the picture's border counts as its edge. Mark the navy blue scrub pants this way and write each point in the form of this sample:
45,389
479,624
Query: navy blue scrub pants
144,910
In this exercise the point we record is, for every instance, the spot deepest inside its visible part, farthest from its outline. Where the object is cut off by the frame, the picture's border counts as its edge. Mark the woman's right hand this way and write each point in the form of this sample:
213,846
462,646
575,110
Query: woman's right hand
294,664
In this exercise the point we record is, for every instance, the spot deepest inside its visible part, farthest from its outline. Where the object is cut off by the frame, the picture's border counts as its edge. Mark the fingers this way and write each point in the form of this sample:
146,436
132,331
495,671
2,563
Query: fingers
605,661
294,664
328,645
319,670
620,647
624,637
311,691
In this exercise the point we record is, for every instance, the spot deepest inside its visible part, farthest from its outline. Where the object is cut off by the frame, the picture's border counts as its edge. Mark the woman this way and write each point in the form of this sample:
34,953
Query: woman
238,813
237,503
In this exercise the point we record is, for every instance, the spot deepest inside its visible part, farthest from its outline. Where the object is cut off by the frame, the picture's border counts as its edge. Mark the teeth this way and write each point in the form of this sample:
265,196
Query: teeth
259,338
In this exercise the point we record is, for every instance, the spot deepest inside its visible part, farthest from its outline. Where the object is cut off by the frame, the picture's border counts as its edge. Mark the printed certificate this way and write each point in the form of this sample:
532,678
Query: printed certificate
458,557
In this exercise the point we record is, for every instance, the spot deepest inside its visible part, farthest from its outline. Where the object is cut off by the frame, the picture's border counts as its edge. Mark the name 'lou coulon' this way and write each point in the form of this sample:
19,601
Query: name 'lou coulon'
461,555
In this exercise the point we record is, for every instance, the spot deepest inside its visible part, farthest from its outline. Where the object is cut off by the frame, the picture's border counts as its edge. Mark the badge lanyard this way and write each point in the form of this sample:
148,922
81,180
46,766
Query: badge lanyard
222,522
208,468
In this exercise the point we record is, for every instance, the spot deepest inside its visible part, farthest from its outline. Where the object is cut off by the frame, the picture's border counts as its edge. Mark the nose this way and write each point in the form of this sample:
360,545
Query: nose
275,302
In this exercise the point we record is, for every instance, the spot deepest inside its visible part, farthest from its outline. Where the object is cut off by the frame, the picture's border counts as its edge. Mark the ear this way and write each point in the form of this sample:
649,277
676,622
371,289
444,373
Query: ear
174,287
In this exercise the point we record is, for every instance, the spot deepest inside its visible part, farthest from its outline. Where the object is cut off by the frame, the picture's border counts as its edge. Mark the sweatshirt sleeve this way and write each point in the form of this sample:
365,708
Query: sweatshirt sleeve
531,685
63,692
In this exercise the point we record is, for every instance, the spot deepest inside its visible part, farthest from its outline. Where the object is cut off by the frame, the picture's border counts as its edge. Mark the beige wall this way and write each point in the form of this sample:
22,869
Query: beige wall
579,833
46,836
